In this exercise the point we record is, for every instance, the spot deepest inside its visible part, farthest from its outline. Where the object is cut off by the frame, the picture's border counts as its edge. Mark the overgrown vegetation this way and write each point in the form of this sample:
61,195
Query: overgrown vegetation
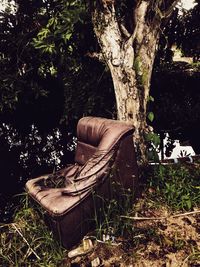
107,220
27,241
176,185
149,229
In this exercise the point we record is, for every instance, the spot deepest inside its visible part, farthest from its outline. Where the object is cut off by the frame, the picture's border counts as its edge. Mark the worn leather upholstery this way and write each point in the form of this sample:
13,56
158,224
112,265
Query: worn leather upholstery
104,152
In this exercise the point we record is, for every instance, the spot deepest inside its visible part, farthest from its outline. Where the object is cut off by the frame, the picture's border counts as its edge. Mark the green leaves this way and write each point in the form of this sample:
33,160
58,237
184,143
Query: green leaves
150,116
153,143
66,37
150,99
177,185
154,138
54,37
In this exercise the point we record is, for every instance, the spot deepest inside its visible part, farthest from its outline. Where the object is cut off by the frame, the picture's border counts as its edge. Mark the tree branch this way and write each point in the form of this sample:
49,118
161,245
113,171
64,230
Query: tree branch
132,38
96,55
169,11
136,218
124,31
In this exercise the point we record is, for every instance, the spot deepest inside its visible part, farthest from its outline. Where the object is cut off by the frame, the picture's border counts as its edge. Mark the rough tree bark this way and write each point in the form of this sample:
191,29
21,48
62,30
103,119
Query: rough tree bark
129,51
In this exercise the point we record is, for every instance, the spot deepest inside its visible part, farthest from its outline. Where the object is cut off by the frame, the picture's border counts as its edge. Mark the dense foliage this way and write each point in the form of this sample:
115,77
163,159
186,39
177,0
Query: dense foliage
181,32
46,70
188,39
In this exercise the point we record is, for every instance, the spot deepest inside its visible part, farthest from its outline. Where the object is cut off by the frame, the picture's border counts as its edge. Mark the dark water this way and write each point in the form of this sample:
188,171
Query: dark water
28,155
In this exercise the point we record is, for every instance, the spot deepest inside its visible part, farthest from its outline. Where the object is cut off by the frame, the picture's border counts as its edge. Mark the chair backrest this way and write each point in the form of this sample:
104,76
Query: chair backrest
96,134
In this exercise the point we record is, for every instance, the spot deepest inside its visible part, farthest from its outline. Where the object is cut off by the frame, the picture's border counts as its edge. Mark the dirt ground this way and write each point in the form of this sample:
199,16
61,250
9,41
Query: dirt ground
159,239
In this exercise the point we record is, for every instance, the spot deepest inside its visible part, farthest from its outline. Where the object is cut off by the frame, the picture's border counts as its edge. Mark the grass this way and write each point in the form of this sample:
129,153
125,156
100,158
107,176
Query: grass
28,242
108,219
176,185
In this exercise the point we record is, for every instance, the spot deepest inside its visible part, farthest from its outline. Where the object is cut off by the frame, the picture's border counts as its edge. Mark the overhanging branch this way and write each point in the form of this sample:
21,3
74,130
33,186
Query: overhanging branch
170,9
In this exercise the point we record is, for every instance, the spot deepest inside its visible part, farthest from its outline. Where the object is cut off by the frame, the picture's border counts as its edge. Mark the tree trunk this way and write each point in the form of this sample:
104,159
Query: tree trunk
130,58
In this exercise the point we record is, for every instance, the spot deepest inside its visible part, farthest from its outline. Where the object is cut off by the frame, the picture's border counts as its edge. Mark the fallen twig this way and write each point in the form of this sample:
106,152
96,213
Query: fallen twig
14,226
186,213
137,218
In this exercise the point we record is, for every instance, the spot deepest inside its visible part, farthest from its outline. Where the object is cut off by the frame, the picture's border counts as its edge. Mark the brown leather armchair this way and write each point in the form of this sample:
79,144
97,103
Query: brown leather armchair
104,153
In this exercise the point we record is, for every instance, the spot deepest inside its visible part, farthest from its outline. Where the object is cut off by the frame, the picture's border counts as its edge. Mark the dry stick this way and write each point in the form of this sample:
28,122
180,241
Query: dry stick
25,241
186,213
160,218
142,218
